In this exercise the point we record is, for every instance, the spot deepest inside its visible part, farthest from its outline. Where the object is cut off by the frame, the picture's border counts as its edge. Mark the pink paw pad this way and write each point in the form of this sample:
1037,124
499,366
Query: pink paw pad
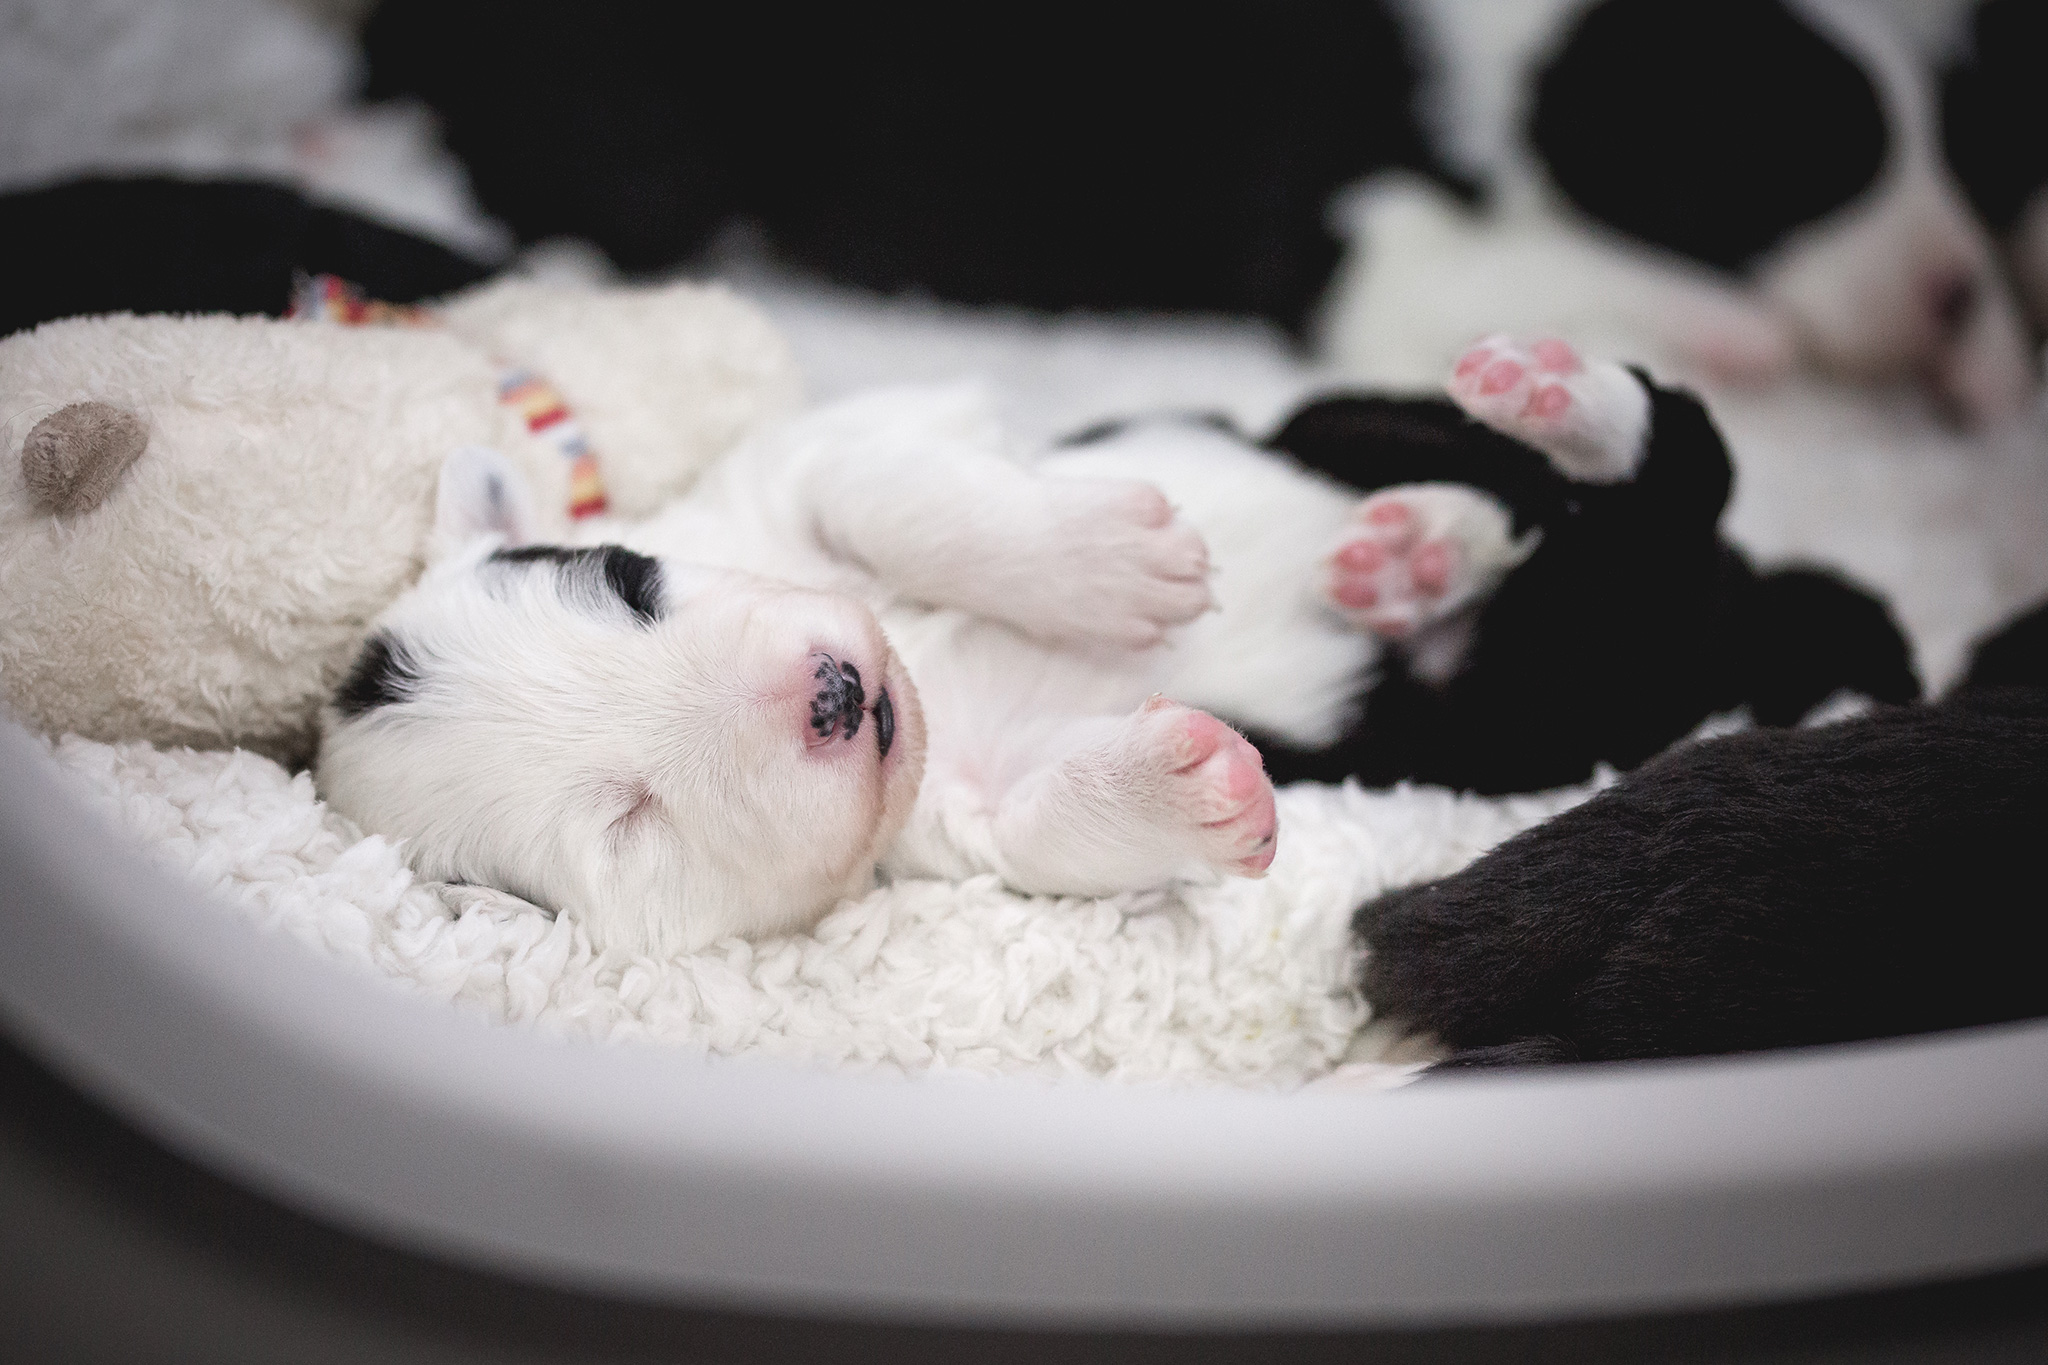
1362,556
1386,572
1356,594
1590,418
1388,513
1547,403
1500,376
1235,807
1499,368
1223,791
1430,567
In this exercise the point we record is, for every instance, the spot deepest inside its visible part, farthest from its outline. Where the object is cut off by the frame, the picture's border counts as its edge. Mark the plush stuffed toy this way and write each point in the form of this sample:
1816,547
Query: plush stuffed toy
200,515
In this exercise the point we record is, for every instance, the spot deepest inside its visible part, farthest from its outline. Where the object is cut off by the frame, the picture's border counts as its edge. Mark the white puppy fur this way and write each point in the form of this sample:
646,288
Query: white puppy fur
1865,293
873,638
685,758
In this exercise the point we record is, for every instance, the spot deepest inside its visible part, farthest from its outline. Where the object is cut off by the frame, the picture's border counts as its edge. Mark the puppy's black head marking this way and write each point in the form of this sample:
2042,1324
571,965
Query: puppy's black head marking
1117,426
385,673
1993,104
634,579
1711,127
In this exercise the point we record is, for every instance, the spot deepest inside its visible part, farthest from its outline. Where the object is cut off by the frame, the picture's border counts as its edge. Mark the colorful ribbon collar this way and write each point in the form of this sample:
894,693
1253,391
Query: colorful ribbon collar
329,298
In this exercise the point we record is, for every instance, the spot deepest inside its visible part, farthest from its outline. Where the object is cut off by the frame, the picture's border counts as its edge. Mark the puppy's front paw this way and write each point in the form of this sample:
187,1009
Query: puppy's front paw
1118,568
1205,787
1591,418
1415,554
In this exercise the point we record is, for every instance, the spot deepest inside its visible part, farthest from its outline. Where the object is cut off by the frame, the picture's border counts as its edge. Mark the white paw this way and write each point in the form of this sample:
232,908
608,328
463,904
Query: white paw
1201,786
1418,553
1110,565
1591,418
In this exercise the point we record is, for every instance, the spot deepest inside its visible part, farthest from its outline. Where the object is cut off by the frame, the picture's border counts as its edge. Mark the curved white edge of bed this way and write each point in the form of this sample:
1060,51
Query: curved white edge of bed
646,1172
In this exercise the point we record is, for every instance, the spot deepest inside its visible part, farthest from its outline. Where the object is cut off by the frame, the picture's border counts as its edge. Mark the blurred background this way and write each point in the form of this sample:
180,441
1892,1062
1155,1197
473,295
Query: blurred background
1826,214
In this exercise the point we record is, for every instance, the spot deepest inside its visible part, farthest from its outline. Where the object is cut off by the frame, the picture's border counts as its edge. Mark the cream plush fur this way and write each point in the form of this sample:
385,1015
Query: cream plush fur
286,493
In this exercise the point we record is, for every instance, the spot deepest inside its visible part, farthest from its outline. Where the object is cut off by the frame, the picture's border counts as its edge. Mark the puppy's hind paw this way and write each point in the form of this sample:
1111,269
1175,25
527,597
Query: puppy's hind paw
1590,418
1415,554
1210,787
1117,566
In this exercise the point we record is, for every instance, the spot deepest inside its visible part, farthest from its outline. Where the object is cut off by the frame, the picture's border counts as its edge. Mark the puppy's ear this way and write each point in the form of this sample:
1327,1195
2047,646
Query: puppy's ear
481,494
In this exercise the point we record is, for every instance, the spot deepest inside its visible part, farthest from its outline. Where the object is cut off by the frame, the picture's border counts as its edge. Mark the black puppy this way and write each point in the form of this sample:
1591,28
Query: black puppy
1039,155
1631,622
1767,889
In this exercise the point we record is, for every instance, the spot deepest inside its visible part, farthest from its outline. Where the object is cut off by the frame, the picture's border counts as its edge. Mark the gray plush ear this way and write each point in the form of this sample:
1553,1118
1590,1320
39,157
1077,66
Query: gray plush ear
481,493
73,458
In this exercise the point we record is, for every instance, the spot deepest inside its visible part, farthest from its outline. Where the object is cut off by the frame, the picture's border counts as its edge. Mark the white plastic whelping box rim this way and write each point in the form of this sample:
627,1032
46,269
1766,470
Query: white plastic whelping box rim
654,1172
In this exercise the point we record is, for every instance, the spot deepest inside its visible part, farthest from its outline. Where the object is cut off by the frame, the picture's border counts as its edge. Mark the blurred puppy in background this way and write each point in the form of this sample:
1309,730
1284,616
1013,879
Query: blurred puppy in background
1734,189
1738,188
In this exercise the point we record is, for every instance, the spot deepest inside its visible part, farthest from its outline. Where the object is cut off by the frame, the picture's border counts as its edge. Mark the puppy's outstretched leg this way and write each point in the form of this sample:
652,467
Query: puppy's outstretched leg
904,487
1591,418
1155,796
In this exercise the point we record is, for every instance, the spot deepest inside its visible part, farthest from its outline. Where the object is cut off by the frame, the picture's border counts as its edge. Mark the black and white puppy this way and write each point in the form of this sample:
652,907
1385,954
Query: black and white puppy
1540,557
1767,889
1735,189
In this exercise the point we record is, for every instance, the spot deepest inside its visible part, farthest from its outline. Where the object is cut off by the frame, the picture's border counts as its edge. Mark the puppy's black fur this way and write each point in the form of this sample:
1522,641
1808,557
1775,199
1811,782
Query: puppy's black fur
385,673
156,244
1041,156
1772,888
1632,622
1994,103
631,580
1636,119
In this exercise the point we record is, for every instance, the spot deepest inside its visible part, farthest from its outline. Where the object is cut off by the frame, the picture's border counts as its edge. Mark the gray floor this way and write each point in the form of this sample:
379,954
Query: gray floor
112,1249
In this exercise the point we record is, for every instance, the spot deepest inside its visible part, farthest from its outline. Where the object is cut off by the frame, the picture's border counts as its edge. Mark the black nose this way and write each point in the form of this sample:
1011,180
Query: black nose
885,722
840,702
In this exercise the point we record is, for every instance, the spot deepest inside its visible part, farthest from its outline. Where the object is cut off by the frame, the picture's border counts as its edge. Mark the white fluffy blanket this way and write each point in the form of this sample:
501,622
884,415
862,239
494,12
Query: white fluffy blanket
1244,982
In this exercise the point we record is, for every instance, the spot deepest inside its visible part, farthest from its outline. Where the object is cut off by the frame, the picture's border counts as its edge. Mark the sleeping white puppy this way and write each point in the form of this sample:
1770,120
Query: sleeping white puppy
866,639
